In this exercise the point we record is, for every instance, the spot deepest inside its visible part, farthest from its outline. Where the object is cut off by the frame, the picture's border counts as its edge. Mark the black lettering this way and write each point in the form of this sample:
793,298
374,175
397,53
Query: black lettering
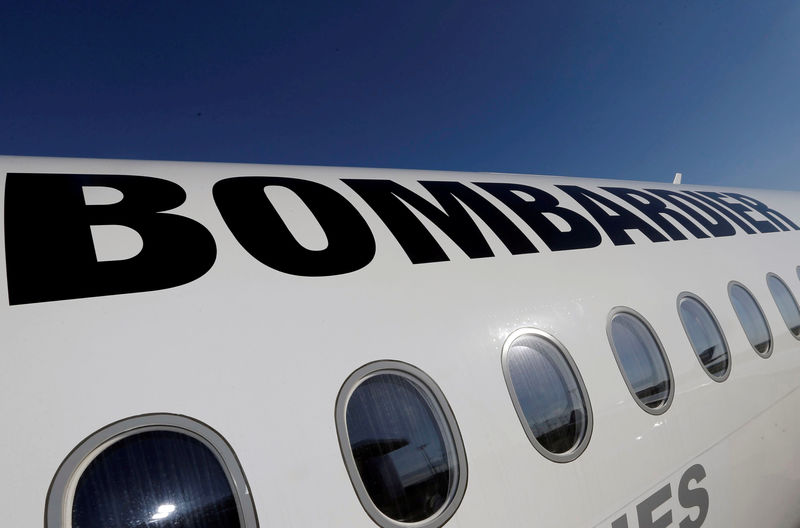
50,253
657,211
259,228
645,509
720,206
743,211
615,225
719,227
582,233
622,522
765,210
391,202
693,498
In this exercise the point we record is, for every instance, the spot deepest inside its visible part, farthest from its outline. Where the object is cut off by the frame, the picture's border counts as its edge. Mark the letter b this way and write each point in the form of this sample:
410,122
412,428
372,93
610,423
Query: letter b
50,253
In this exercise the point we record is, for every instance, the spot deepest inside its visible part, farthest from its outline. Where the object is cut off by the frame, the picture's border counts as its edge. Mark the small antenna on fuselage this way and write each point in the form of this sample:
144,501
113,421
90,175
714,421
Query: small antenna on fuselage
677,180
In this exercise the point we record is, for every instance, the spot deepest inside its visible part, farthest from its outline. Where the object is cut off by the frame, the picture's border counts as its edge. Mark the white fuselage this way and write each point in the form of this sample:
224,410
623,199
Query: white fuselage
260,354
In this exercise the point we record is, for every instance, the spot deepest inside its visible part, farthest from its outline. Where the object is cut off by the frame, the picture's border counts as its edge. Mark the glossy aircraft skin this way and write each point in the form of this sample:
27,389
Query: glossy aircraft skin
260,356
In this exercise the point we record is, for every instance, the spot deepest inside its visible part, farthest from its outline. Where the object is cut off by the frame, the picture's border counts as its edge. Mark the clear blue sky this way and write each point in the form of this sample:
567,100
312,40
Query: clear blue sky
616,89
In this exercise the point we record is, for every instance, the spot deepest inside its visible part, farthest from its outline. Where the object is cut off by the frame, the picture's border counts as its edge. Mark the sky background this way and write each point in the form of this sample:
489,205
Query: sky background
612,89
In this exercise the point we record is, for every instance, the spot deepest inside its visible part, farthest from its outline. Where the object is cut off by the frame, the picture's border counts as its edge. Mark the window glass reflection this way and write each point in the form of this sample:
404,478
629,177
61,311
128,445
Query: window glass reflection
399,445
641,360
548,393
705,337
155,479
786,303
752,319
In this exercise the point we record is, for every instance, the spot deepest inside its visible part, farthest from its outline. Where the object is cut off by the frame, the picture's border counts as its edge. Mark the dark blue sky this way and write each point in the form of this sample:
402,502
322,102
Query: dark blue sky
615,89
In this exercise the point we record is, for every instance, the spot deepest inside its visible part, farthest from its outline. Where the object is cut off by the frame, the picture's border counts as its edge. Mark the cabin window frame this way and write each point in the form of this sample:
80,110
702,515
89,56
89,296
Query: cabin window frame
581,446
446,420
664,407
60,495
763,315
775,301
696,298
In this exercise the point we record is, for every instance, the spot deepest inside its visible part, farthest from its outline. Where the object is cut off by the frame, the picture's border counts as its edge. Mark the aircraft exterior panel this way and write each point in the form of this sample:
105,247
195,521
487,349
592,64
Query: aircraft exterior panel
260,355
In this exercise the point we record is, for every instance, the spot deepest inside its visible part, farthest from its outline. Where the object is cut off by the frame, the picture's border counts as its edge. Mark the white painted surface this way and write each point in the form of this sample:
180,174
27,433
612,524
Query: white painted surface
260,356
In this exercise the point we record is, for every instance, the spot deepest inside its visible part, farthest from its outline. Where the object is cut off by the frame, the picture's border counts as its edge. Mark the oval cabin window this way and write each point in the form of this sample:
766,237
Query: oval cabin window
705,336
401,445
548,394
752,319
641,360
786,302
154,476
157,478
